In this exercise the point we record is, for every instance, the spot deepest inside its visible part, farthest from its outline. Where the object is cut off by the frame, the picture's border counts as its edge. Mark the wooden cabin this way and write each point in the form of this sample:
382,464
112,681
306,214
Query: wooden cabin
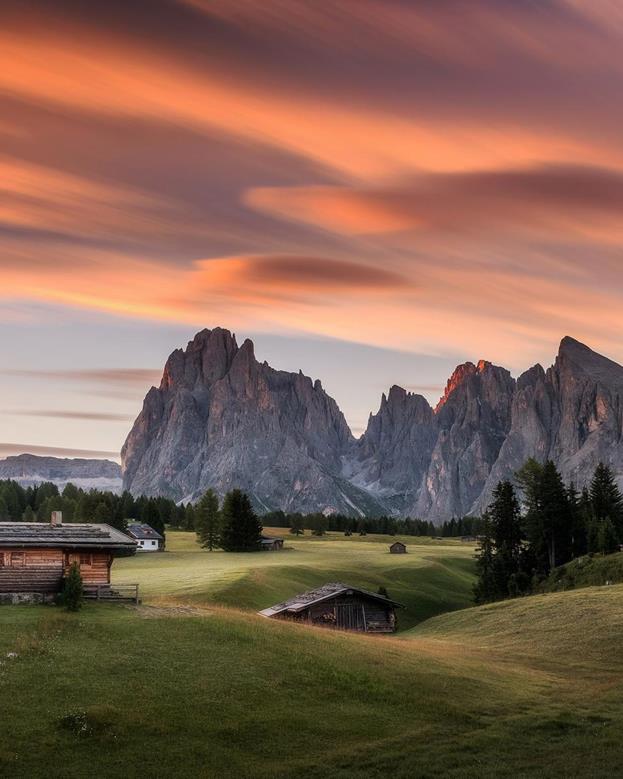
398,548
35,556
271,544
341,607
147,539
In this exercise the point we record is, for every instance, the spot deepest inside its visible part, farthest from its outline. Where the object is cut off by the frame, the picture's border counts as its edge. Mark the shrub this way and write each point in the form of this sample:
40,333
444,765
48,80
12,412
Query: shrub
73,591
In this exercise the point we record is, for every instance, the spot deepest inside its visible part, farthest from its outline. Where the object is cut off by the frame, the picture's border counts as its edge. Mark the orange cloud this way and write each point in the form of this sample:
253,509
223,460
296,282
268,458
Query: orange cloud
131,79
559,199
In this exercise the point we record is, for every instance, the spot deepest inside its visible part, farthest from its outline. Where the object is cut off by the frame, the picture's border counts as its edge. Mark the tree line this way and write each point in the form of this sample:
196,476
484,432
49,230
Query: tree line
319,524
35,504
520,545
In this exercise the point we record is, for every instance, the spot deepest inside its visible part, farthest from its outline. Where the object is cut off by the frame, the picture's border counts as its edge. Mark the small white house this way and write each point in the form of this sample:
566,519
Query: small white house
148,539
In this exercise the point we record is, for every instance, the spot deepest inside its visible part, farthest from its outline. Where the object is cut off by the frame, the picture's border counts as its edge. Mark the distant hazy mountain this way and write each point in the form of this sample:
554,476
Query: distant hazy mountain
30,469
221,419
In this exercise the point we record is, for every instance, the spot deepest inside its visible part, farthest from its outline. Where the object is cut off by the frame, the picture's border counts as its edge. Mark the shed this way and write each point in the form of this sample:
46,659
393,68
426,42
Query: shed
147,539
271,544
35,556
398,548
339,606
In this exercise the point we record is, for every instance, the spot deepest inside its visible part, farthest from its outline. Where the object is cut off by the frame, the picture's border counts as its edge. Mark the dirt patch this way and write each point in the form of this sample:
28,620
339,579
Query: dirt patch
155,612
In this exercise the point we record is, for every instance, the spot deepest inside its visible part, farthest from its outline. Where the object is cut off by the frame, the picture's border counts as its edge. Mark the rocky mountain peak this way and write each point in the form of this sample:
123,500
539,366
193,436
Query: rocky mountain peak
459,374
221,419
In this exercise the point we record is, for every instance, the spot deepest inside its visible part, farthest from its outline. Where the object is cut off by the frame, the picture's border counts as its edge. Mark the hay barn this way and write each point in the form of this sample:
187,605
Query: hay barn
341,607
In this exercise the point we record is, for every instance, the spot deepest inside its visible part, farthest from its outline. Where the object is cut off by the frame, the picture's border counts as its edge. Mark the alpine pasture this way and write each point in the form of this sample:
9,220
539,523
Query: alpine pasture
194,684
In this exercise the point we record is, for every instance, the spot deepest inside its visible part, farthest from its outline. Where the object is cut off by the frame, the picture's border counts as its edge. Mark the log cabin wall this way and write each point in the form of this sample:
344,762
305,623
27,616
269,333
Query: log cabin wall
42,570
31,570
94,566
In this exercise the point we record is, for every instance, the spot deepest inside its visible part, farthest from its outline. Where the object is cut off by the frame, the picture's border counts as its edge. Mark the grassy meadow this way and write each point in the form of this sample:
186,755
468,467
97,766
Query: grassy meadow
433,577
194,684
528,688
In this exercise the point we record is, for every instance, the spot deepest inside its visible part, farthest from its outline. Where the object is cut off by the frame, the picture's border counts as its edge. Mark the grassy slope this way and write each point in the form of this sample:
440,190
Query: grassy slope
585,572
528,688
435,576
532,687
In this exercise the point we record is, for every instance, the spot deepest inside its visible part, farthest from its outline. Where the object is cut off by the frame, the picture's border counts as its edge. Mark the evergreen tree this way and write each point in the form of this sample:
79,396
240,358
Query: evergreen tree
28,515
296,525
101,515
208,521
606,541
485,589
319,524
242,530
499,561
606,499
556,516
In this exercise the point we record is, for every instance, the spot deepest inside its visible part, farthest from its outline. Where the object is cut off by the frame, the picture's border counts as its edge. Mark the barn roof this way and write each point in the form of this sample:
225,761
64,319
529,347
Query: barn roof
143,531
327,591
66,536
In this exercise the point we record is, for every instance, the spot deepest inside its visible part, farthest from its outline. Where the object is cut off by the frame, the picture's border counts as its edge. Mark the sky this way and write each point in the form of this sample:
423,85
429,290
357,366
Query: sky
372,190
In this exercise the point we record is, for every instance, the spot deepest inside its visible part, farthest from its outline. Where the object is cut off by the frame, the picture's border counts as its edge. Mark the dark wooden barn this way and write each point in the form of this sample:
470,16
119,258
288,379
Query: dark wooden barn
34,556
271,543
398,548
341,607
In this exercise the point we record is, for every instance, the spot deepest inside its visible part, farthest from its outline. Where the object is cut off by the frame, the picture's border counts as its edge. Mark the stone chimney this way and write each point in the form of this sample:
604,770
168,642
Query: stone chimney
56,518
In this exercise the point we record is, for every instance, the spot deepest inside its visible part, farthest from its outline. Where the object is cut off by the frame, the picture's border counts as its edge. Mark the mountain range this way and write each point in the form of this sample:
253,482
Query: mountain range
30,470
222,419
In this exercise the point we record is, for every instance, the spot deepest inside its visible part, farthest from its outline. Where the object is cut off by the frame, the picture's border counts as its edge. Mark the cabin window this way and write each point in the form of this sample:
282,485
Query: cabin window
86,559
17,559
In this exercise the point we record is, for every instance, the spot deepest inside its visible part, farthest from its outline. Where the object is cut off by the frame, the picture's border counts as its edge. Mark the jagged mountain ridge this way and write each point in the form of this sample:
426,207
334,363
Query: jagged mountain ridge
31,469
222,419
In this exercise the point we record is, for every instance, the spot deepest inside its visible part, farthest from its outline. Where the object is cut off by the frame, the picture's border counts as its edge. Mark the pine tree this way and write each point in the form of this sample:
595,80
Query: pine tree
208,521
242,530
606,498
556,516
579,512
296,525
28,515
607,540
499,562
485,589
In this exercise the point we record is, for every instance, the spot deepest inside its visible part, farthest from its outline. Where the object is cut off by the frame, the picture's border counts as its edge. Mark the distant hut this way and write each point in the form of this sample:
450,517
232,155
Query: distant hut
271,544
341,607
148,539
398,548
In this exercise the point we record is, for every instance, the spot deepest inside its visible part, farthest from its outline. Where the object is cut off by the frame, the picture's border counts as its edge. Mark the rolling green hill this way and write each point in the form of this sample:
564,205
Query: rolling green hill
525,688
187,685
433,577
585,572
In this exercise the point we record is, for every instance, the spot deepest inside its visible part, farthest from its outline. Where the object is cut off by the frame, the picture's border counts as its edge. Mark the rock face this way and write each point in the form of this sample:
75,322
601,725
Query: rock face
30,469
220,419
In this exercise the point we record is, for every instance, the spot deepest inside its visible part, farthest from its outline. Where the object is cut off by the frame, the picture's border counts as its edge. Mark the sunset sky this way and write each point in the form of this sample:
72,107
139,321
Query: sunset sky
372,191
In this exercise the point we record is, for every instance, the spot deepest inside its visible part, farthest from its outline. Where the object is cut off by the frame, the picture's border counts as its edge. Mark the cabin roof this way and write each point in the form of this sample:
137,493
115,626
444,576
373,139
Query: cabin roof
327,591
143,531
398,543
68,535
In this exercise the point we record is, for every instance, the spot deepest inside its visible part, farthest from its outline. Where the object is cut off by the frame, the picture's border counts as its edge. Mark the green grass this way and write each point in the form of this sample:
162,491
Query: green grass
525,688
189,686
433,577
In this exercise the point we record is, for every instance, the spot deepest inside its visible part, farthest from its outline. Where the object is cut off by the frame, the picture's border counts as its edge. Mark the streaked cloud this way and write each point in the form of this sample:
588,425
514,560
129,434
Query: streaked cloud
89,416
439,178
